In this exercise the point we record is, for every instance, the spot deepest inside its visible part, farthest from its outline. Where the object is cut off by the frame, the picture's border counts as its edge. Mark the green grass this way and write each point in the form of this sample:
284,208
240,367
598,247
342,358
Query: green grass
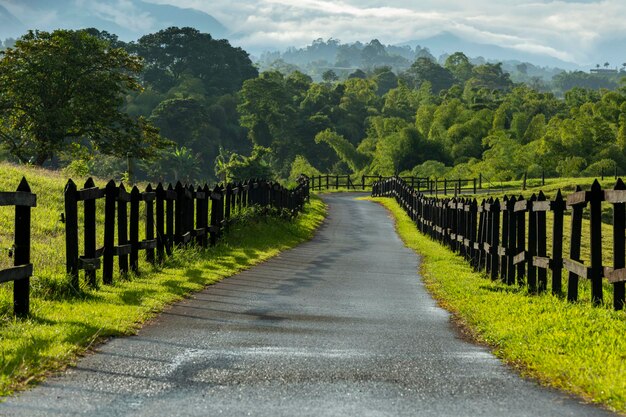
64,323
571,346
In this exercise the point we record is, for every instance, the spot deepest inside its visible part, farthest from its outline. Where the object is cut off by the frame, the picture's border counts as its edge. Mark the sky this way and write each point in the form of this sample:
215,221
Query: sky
569,30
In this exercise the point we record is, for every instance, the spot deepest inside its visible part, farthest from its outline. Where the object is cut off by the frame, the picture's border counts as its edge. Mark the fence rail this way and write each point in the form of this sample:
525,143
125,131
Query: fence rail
172,216
508,239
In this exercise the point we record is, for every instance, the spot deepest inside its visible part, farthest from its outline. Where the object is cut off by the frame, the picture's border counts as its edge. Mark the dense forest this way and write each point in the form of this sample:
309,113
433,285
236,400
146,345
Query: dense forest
183,105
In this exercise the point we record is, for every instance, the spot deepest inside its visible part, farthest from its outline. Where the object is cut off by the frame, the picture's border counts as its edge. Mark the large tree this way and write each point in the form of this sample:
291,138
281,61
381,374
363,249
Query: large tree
174,52
66,88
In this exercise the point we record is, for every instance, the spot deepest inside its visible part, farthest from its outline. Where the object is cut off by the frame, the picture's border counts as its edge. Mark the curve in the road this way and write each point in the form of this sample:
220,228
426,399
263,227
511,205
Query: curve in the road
339,326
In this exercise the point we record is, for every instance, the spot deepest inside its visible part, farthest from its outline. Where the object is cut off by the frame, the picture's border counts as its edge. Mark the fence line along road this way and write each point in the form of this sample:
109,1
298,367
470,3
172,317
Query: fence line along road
508,239
173,216
422,184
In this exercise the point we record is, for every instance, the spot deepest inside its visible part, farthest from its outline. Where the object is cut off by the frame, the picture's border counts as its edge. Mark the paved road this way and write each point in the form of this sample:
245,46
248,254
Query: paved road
339,326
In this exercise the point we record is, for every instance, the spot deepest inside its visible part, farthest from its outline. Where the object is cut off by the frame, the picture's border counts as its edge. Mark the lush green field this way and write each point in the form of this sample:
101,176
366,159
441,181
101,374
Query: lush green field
65,323
571,346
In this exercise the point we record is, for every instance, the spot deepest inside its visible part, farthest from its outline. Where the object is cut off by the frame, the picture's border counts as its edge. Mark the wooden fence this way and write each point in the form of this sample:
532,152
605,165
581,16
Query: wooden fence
172,216
20,273
508,239
421,184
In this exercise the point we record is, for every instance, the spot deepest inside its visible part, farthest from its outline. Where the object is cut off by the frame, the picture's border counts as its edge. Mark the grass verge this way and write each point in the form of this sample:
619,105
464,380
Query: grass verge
573,347
59,330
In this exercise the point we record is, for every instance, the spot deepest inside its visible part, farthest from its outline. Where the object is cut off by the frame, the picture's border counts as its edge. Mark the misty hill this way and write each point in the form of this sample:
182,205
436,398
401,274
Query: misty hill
448,43
135,20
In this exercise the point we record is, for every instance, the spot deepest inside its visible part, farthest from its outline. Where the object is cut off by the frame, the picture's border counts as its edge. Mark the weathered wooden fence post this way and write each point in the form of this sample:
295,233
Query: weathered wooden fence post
521,207
149,197
89,242
596,196
122,229
160,223
575,241
110,196
532,245
540,208
558,208
135,198
21,257
619,244
71,233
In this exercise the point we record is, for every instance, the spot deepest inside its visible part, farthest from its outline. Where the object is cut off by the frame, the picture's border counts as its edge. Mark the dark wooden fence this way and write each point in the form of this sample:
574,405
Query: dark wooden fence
20,274
171,216
508,239
421,184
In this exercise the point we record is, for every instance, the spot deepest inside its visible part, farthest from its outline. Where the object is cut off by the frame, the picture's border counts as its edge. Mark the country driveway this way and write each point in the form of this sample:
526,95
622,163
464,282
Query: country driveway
339,326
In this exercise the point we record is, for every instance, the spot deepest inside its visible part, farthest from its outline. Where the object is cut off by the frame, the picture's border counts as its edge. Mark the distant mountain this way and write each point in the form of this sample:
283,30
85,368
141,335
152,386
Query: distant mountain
104,15
449,43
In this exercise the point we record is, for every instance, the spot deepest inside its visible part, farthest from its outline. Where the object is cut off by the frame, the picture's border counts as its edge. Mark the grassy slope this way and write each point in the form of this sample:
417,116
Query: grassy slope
570,346
63,326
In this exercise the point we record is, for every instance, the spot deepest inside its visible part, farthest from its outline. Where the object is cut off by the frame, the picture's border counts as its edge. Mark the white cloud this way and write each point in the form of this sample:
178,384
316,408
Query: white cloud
567,30
123,13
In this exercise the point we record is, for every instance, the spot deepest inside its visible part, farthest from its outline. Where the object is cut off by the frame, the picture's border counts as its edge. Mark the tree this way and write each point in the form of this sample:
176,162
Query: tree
460,66
424,69
66,88
173,52
329,76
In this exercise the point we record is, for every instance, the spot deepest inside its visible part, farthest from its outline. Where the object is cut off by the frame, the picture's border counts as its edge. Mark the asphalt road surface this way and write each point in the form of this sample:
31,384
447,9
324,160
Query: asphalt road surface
339,326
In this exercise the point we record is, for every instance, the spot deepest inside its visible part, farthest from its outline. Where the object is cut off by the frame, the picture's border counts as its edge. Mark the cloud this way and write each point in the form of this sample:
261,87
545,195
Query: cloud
123,13
568,30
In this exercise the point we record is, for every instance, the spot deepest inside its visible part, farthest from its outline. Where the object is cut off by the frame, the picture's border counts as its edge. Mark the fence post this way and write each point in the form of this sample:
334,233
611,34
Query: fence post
227,196
542,275
21,287
89,242
179,213
190,212
521,241
216,196
110,194
205,214
71,233
619,247
169,220
532,245
122,228
135,198
150,224
502,254
160,223
495,238
558,208
596,271
200,199
480,255
574,251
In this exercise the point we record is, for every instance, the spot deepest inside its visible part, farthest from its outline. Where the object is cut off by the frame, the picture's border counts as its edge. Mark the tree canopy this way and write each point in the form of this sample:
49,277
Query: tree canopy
66,88
174,52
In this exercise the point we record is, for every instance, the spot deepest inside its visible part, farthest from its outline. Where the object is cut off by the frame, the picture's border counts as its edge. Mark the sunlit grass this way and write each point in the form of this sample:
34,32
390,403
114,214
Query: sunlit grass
571,346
